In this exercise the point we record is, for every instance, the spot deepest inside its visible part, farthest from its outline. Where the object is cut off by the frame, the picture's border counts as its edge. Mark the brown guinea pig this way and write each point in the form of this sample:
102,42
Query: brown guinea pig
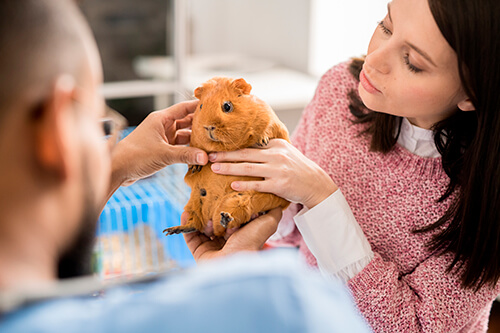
227,118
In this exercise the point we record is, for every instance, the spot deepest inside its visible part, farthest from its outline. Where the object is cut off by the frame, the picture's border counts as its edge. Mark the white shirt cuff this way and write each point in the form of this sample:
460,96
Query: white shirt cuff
334,237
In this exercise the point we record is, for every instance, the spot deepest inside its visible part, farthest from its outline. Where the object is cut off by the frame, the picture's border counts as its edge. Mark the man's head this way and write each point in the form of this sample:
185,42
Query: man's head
55,167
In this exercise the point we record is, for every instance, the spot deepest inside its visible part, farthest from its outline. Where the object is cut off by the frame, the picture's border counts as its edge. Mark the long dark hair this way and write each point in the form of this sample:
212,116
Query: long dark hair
469,142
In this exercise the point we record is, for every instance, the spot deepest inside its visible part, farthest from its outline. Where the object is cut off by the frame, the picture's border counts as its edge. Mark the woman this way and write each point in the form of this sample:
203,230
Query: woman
396,171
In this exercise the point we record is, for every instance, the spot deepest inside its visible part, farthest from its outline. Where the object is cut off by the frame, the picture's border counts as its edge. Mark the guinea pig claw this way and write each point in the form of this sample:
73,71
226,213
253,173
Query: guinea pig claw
264,142
225,219
177,230
195,168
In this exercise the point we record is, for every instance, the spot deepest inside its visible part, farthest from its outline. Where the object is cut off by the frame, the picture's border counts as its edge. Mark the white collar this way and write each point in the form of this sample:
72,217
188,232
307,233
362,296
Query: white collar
417,140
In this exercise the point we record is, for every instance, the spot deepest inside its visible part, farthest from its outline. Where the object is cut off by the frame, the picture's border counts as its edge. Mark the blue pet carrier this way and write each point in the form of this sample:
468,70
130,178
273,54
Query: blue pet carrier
130,241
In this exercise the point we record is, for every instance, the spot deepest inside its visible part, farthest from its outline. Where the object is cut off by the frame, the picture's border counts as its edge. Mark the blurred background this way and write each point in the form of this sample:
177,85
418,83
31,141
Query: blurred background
156,52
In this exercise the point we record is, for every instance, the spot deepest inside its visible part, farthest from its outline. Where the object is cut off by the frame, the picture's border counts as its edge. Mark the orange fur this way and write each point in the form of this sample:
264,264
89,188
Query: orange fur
249,123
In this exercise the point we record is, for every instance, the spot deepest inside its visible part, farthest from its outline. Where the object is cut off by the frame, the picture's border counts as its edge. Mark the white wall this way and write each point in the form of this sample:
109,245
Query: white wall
340,30
274,29
308,35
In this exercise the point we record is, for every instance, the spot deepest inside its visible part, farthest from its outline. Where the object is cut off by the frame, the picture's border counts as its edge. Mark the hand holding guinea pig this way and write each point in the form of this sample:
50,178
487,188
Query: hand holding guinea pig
280,168
227,118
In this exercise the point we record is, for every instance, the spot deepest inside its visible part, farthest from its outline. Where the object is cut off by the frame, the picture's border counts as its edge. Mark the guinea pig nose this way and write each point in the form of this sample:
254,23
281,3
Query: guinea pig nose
209,128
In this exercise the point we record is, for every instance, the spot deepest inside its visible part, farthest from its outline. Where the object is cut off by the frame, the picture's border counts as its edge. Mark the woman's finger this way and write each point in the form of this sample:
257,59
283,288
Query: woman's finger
256,155
244,155
257,186
243,169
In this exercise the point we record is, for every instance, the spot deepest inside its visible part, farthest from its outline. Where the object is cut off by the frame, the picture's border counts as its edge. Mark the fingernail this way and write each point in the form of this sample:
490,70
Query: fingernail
212,157
199,158
235,186
215,167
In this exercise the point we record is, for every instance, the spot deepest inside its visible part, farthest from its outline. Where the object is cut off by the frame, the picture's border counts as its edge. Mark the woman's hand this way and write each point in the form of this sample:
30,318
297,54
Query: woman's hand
250,237
157,142
286,171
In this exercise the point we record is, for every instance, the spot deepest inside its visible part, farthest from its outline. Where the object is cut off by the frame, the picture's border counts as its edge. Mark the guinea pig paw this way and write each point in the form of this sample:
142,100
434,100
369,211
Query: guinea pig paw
225,219
263,142
178,230
195,168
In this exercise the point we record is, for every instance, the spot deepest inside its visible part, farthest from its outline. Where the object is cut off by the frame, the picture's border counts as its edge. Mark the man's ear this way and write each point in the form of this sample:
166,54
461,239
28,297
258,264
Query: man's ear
53,128
466,105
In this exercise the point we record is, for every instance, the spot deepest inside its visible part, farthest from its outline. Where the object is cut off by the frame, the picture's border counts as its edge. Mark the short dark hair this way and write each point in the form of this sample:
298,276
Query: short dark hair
39,40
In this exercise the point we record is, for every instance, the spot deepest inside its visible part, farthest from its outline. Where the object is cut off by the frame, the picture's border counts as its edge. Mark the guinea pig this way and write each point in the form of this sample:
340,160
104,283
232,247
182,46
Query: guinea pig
227,118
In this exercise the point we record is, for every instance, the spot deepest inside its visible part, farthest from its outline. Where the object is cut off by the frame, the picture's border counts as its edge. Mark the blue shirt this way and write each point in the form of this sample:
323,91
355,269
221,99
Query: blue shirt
268,291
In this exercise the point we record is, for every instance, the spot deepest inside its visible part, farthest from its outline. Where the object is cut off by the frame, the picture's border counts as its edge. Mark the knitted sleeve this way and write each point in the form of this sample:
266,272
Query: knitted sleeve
427,300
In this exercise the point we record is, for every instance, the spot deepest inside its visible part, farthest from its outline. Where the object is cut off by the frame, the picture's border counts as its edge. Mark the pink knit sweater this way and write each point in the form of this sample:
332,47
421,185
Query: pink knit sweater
405,287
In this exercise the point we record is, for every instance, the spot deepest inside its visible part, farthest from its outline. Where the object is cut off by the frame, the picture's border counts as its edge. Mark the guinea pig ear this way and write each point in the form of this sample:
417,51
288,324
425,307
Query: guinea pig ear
242,86
198,91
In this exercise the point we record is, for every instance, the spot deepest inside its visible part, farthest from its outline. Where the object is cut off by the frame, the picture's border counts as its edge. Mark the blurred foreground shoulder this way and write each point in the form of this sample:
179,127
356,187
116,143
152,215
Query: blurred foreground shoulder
247,292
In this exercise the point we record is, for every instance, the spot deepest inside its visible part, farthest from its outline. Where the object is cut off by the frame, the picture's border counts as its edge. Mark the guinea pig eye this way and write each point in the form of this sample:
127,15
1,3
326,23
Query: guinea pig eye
201,105
227,107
